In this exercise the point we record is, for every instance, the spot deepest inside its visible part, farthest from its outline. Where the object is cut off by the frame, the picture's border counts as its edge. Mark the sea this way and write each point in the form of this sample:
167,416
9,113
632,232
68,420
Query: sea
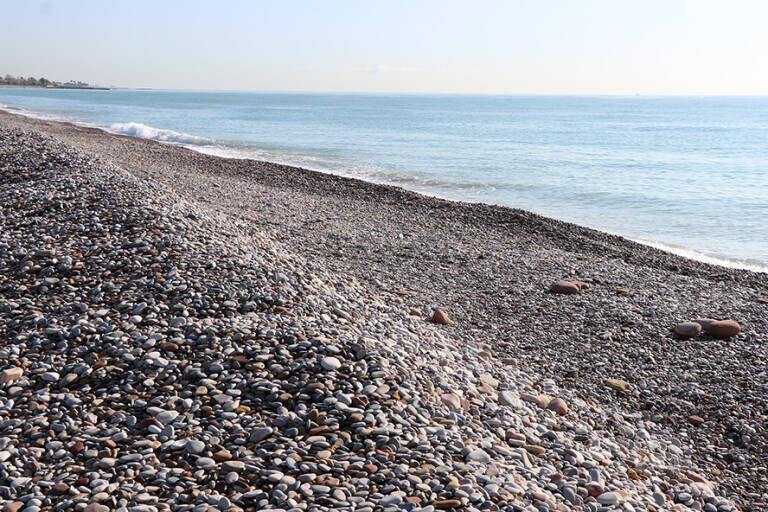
688,175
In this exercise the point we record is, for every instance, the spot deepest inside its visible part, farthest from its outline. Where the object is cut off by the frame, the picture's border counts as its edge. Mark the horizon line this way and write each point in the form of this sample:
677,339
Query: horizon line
424,93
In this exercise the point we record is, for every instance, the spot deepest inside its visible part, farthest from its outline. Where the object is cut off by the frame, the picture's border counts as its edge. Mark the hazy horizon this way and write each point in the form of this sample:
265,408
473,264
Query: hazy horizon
656,48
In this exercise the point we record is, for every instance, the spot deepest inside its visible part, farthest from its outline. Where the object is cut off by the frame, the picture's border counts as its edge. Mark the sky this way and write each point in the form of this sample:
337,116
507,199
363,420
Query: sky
479,47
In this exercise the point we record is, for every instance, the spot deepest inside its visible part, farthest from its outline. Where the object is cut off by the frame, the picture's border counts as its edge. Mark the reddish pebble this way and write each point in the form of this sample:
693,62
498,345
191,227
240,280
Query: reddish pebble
723,328
695,420
595,489
559,406
440,317
60,488
565,288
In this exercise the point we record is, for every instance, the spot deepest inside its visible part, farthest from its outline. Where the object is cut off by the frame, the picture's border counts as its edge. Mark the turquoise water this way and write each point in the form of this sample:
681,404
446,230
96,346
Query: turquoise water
689,174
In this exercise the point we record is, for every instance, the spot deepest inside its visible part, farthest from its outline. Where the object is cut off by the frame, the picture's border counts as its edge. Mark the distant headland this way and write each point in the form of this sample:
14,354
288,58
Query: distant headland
12,81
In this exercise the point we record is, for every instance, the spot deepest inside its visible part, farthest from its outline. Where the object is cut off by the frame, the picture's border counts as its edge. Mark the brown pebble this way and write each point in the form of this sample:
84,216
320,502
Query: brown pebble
535,449
221,456
622,291
565,288
60,488
13,507
595,489
695,420
446,504
559,406
723,328
763,300
440,317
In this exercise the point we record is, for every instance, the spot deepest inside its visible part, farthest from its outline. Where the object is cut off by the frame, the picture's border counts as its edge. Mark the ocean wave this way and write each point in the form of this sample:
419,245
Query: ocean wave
148,132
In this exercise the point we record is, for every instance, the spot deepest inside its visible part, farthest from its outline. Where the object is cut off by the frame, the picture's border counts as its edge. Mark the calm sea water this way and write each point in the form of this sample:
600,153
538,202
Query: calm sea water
686,174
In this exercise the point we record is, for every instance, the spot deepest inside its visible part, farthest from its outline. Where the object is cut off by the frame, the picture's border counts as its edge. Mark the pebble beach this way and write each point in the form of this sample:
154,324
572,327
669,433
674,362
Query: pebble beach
186,332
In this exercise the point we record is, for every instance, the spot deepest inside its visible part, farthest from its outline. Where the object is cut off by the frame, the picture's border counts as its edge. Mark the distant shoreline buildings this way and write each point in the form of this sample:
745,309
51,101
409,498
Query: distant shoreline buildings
21,81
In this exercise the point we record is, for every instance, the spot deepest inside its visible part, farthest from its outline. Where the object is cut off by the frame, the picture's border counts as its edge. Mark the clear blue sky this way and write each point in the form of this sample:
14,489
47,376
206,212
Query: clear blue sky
541,46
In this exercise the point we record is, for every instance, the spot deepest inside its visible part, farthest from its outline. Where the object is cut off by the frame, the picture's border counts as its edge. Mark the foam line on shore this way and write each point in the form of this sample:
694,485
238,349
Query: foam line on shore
692,254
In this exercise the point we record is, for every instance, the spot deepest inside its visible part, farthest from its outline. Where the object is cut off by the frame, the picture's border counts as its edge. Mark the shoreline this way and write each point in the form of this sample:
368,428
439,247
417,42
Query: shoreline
490,269
679,251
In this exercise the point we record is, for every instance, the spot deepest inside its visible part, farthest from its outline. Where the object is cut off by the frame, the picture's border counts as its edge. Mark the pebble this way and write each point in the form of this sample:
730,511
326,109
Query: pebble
609,498
617,384
479,455
558,406
565,288
10,375
688,329
440,317
330,363
723,328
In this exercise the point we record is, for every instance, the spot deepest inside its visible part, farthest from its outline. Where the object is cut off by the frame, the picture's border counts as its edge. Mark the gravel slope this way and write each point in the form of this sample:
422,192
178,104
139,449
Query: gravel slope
490,269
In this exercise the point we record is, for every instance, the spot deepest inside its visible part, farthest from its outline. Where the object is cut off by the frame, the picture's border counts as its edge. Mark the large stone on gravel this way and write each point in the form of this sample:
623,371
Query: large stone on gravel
565,288
440,317
558,406
688,329
695,420
723,328
11,374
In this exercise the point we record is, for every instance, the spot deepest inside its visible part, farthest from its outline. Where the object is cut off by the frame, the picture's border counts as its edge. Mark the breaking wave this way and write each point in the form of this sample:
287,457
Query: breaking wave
148,132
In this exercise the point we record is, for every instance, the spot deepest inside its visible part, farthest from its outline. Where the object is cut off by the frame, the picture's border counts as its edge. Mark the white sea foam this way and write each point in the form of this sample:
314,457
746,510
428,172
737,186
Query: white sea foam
691,254
148,132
